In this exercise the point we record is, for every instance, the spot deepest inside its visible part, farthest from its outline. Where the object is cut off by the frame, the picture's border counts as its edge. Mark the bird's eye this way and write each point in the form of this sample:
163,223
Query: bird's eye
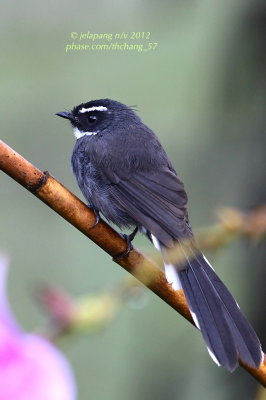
92,118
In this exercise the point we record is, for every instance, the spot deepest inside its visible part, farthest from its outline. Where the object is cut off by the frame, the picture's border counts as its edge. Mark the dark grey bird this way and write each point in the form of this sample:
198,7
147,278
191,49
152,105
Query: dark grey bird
125,175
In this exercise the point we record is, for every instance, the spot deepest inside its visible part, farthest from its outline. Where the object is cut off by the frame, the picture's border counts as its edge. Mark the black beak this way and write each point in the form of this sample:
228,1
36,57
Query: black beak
65,114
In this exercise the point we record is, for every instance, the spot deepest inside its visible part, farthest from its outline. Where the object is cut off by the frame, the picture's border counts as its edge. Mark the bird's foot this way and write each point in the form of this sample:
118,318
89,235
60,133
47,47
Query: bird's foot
97,218
129,238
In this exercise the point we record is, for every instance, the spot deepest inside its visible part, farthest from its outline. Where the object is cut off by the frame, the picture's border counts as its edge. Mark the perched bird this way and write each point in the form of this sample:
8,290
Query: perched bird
125,175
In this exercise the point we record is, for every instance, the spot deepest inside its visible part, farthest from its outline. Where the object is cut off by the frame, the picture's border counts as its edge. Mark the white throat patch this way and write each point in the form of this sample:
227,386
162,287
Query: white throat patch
94,108
80,134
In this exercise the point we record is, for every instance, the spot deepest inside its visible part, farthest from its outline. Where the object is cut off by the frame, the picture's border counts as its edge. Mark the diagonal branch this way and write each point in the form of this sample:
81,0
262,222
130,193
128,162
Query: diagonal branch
61,200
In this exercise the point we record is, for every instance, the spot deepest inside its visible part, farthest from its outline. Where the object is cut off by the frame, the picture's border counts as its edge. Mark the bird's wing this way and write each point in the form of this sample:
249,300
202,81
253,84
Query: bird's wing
156,200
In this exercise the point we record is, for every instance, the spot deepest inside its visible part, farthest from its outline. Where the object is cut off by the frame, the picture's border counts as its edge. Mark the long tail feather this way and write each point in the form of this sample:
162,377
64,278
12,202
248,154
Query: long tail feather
227,333
246,340
209,314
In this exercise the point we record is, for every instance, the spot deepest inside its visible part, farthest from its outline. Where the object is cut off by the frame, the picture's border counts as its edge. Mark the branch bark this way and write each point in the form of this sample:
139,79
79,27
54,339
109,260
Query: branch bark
66,204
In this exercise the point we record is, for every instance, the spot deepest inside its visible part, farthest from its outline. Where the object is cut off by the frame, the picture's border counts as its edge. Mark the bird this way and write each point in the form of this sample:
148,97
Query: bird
126,176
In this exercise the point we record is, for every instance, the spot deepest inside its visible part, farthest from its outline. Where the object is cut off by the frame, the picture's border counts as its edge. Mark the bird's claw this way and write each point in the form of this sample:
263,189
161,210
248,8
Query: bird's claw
97,220
128,238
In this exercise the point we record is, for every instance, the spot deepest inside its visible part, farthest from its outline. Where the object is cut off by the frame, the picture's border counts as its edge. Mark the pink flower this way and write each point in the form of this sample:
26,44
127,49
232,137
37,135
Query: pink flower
31,368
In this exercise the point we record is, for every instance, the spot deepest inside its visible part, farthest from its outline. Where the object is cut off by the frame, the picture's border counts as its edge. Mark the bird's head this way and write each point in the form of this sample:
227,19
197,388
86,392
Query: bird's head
96,116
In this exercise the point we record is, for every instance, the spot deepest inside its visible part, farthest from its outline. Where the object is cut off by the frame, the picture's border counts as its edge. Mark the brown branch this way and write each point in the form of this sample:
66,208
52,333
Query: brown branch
56,196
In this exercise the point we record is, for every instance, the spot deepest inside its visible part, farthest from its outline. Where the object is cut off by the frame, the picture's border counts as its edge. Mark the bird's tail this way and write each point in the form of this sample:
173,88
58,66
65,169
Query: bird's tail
226,331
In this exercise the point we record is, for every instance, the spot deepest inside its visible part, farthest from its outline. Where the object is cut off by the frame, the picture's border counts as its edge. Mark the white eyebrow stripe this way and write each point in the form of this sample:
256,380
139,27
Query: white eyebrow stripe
94,108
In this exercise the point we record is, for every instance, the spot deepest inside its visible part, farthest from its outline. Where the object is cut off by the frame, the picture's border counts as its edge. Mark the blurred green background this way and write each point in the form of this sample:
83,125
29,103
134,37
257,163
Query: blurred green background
202,90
